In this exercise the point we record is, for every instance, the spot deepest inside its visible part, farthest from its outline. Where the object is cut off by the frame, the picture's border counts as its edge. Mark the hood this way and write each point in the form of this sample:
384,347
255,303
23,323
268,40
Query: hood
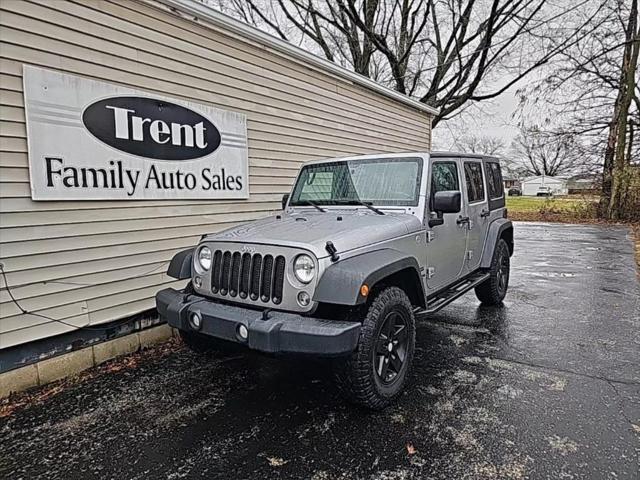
347,229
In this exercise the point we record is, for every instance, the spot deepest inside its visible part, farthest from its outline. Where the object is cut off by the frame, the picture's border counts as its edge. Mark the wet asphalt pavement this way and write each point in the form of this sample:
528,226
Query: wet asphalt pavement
547,386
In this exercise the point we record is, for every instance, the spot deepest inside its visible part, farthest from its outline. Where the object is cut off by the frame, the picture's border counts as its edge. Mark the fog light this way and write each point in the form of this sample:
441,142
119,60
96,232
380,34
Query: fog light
243,332
304,299
195,321
197,282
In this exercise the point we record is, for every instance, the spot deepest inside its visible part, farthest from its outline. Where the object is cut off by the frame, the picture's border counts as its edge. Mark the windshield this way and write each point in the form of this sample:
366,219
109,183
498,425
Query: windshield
384,181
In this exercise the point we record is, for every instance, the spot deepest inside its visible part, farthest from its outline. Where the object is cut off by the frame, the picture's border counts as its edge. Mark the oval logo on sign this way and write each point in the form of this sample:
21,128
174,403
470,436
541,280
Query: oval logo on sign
151,128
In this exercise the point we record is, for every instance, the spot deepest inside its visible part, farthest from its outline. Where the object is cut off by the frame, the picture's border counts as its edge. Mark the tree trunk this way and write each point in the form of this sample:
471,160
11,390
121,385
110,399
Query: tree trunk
609,156
630,142
617,176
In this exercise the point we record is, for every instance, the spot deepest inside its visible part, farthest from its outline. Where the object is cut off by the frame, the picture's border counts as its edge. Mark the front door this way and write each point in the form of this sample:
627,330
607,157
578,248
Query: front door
477,212
447,244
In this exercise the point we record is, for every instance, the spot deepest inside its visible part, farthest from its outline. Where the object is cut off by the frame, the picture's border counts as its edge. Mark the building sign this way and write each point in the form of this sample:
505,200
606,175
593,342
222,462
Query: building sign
91,140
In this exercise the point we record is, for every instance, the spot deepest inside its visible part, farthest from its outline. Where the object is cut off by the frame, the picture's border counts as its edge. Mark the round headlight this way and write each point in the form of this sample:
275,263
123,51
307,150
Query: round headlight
304,268
204,258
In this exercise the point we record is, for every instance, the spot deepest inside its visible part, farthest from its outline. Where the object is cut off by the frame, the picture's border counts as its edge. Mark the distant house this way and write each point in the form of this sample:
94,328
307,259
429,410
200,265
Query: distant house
543,185
586,184
510,177
510,181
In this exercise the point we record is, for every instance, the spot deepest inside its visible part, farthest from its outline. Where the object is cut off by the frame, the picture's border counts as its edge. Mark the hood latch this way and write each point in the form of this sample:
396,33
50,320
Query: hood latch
333,251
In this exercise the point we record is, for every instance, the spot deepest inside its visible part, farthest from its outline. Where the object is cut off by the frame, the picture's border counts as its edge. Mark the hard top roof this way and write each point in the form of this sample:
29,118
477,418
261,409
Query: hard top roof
403,155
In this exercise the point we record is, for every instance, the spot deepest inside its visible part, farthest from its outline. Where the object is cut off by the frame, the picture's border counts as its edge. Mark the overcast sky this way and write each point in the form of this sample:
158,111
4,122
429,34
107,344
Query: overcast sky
493,118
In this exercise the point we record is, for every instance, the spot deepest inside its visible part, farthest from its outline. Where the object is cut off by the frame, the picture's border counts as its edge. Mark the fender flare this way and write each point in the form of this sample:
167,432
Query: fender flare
180,265
496,230
341,282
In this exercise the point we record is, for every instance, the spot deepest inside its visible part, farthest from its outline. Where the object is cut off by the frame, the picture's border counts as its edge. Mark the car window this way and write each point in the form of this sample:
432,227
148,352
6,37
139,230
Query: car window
494,180
475,184
385,181
317,186
380,181
444,177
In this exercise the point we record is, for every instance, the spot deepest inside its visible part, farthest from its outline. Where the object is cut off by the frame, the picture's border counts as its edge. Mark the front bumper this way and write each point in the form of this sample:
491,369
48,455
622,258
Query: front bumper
282,332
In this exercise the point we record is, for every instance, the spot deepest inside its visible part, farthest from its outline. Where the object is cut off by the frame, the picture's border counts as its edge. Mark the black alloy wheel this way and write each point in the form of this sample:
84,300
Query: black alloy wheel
391,347
377,371
502,272
494,289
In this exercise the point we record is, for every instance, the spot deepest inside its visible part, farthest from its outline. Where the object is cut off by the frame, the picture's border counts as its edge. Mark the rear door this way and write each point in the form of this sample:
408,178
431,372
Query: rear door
477,212
445,250
495,188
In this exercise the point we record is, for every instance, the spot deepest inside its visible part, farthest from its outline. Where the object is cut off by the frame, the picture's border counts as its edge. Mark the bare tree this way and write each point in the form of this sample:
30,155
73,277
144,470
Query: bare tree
447,53
326,27
541,152
484,144
494,146
592,92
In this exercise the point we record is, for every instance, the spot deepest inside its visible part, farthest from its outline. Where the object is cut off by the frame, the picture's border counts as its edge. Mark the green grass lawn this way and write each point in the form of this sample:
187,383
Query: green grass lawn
534,204
542,208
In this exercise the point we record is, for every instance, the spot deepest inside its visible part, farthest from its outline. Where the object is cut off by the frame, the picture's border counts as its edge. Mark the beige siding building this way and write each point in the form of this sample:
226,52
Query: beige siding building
93,262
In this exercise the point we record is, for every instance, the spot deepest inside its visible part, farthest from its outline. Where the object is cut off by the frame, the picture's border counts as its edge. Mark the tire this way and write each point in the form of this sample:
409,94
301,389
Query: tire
493,290
375,373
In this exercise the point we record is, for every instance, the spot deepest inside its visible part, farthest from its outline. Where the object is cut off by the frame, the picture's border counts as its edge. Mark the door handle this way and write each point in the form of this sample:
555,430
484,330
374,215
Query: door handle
462,220
485,213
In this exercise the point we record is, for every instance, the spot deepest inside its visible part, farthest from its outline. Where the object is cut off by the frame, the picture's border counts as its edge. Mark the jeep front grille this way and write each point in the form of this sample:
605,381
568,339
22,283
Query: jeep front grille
257,276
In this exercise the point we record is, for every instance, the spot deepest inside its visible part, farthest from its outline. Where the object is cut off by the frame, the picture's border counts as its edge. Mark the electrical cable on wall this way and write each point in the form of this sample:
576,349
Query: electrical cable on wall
77,327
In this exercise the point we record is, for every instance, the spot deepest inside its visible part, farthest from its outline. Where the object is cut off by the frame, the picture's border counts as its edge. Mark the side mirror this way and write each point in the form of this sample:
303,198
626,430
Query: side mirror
285,199
447,202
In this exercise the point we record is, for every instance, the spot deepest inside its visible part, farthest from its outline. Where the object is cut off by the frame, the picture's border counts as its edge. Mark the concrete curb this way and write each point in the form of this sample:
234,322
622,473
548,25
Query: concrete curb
72,363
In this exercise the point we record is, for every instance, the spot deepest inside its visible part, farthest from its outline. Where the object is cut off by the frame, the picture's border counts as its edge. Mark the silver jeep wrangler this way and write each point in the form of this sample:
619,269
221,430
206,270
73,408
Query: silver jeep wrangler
363,246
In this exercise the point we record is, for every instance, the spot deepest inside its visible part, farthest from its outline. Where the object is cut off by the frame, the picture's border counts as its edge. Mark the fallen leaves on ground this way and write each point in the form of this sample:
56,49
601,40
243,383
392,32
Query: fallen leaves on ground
38,395
277,461
562,445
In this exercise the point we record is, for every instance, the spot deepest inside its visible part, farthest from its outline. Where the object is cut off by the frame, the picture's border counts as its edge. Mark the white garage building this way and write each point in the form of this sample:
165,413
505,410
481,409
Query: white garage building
532,186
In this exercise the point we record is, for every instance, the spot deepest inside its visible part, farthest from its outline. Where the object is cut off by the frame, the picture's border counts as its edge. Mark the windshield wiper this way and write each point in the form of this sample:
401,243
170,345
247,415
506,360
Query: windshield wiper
353,201
314,205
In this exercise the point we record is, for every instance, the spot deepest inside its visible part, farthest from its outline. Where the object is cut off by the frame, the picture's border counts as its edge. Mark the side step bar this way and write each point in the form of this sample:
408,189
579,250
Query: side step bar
452,293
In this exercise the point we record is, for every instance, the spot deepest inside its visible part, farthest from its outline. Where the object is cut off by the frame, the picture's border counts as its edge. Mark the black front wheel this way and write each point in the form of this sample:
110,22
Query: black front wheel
493,290
376,372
